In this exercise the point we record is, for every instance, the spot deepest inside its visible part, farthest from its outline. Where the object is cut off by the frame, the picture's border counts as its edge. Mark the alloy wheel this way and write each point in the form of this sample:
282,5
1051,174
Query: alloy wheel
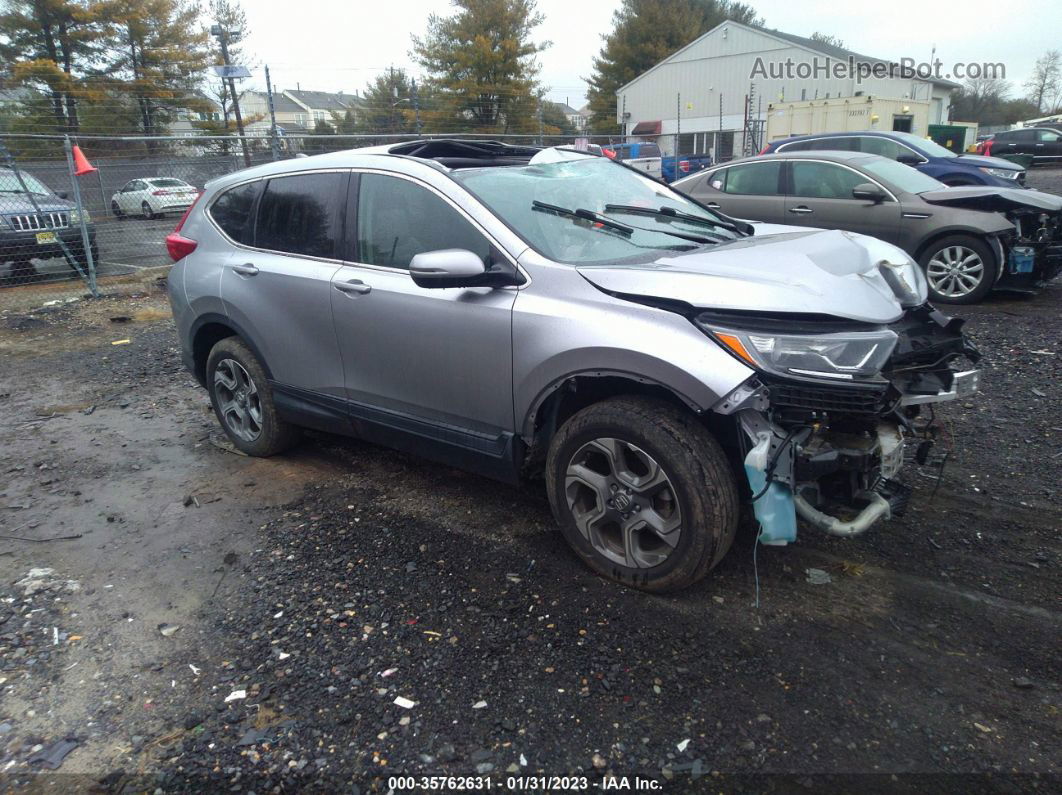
238,402
146,211
955,271
623,503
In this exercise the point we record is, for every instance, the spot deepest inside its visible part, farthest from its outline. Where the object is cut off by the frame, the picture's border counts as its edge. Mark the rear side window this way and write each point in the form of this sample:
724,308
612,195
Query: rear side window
300,214
834,145
756,179
232,212
883,147
398,219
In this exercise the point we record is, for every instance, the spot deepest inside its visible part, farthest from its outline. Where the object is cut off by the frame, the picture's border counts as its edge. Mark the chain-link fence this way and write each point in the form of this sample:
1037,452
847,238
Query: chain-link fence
63,235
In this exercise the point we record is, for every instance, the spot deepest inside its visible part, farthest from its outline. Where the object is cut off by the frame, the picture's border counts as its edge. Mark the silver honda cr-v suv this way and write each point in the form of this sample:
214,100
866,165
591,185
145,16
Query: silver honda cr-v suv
530,313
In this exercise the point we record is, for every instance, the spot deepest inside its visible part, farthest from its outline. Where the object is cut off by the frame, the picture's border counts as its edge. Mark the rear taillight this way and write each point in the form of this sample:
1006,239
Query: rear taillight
177,244
160,193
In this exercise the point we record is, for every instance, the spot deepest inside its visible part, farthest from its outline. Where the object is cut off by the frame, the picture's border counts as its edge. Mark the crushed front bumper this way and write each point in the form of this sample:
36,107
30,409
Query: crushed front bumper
833,455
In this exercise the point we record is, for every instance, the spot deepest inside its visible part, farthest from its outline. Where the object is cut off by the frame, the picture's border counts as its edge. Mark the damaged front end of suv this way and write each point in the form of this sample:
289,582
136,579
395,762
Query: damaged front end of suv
836,409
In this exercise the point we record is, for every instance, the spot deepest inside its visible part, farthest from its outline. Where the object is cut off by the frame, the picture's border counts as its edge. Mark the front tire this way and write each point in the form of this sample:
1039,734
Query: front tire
243,400
959,269
643,493
117,210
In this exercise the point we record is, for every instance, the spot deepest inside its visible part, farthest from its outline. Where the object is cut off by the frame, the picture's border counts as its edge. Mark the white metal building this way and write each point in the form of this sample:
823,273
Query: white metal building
708,91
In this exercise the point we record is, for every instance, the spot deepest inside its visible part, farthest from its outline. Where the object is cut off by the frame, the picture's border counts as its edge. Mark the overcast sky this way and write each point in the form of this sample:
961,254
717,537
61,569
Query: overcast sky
335,45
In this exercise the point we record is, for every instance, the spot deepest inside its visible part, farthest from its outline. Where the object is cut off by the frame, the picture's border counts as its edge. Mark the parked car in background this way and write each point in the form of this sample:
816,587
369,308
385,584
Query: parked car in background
642,155
655,362
675,167
150,197
927,156
968,240
1043,143
33,221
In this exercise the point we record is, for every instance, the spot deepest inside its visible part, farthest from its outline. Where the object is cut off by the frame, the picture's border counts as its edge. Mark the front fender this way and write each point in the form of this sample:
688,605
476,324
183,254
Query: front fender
577,330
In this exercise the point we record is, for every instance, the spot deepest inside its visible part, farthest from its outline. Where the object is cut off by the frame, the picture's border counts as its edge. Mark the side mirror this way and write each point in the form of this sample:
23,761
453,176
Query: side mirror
449,267
62,194
909,159
869,192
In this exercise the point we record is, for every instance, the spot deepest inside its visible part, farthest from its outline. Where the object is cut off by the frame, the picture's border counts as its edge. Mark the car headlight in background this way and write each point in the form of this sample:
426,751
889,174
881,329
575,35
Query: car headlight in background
75,217
842,356
1003,173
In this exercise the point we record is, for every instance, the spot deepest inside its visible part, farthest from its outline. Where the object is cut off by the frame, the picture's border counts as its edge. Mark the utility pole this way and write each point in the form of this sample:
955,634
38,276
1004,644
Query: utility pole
678,121
274,144
223,36
416,107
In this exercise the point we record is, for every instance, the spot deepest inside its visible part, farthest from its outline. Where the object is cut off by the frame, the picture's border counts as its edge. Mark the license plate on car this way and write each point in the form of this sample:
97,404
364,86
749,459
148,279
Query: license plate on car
46,237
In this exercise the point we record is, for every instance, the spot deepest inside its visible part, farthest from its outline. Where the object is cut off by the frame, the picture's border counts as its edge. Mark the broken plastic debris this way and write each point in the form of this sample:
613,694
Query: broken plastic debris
388,672
404,703
282,655
682,745
523,760
278,615
52,756
195,671
818,577
121,342
479,705
235,695
168,629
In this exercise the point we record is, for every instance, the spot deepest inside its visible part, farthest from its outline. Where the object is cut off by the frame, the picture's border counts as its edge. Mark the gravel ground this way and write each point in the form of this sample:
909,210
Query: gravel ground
348,614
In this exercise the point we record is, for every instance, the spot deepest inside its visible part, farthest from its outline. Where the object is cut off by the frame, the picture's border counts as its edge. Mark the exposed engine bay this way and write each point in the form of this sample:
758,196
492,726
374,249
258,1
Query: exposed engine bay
1031,255
832,454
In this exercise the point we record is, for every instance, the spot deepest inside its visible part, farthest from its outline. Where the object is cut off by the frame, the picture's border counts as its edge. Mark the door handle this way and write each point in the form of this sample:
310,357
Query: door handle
801,210
712,206
247,269
353,286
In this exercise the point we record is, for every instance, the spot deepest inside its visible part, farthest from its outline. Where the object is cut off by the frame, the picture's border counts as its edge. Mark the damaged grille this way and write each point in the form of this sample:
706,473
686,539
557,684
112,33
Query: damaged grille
836,400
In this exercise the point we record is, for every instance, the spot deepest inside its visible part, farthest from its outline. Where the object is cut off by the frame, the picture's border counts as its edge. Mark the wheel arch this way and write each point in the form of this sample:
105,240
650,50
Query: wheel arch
991,239
207,331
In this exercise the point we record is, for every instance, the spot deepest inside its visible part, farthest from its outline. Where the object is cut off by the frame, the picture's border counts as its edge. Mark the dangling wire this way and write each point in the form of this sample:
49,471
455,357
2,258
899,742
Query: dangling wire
755,570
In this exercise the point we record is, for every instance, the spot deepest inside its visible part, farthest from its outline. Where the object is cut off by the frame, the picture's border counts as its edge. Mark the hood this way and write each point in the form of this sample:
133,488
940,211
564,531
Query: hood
982,161
780,270
18,204
996,200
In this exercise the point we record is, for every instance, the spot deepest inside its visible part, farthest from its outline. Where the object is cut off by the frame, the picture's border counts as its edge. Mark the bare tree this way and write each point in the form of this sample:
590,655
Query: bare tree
826,38
1046,81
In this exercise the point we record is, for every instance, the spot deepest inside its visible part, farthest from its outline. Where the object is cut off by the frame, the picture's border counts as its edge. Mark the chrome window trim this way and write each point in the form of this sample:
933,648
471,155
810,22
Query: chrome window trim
782,147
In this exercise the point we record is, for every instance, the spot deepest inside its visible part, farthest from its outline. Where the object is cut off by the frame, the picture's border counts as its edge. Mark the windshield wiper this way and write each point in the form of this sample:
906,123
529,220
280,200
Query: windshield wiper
583,214
669,212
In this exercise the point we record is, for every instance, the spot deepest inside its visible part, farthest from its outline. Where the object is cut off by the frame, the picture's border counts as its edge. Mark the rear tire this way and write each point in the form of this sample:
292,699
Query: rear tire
960,269
642,492
146,212
243,400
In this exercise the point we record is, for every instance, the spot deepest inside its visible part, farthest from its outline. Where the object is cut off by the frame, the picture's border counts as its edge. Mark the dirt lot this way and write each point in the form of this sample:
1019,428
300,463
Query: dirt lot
218,622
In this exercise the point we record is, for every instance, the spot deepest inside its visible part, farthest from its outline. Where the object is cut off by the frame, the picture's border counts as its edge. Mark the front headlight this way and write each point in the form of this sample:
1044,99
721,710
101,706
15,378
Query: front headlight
1004,173
75,217
843,356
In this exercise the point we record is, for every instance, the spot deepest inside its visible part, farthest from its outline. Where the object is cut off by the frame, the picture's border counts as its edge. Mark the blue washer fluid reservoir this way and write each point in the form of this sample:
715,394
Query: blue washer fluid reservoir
1022,259
774,509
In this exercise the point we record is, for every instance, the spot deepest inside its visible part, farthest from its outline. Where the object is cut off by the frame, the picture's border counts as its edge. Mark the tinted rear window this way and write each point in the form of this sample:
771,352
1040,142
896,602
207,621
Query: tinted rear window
232,212
169,183
300,214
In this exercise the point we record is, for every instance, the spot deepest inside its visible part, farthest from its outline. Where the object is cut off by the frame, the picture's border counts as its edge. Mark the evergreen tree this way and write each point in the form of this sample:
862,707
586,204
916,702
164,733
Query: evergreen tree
53,46
481,66
387,105
646,32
